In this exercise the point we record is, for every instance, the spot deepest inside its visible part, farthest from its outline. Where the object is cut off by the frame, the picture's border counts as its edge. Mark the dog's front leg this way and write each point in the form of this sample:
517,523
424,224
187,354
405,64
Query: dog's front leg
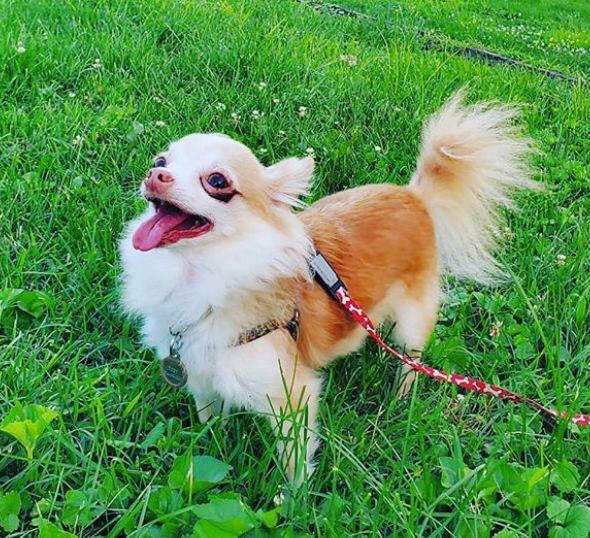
294,422
266,376
208,406
293,412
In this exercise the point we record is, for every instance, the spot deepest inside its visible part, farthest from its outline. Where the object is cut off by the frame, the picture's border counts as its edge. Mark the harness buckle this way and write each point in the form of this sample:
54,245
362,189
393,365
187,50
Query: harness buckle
325,274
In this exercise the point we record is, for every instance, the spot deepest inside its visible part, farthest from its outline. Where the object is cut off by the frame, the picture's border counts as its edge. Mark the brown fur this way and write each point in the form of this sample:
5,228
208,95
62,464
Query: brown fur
375,236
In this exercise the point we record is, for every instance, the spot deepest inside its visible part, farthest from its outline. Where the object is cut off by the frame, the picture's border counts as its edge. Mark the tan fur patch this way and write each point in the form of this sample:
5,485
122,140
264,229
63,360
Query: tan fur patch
374,236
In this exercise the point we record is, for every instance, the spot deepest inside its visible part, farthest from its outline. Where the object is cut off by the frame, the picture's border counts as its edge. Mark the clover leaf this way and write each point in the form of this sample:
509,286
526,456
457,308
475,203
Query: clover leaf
27,424
198,473
222,517
574,521
565,476
30,301
81,507
10,505
49,530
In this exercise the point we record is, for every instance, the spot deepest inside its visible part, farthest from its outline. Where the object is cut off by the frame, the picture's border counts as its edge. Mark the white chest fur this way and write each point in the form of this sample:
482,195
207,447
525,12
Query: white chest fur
203,289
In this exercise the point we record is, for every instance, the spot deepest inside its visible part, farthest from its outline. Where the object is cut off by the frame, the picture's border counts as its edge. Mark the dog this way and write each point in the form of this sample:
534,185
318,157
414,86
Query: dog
221,258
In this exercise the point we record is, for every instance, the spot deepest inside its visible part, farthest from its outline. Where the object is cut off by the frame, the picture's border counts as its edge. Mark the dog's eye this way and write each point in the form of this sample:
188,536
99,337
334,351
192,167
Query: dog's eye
218,186
160,162
218,181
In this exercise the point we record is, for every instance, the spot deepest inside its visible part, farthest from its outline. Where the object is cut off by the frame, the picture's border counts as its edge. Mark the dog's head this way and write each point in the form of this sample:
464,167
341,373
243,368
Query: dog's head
209,185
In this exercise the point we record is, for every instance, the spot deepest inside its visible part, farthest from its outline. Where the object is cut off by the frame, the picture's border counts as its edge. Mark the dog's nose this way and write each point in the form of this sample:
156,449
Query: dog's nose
159,180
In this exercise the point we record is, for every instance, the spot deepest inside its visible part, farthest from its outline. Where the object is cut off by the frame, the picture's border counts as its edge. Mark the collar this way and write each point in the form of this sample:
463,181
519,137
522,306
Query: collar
173,369
245,337
249,335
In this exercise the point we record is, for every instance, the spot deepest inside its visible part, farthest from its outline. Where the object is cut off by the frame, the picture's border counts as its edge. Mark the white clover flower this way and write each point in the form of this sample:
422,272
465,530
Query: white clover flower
302,111
77,141
561,259
378,149
279,499
256,114
220,106
310,151
282,133
159,123
21,49
235,116
495,330
276,100
261,85
349,59
262,151
71,94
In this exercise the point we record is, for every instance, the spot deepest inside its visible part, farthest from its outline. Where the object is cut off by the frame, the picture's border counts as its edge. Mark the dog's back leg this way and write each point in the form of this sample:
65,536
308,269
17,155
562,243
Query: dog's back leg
414,316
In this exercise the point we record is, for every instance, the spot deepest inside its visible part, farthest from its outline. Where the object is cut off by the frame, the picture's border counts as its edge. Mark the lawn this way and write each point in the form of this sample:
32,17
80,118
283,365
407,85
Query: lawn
551,34
90,91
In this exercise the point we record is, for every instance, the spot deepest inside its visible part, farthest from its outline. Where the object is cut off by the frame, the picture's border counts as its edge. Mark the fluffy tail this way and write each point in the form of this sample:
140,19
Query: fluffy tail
471,160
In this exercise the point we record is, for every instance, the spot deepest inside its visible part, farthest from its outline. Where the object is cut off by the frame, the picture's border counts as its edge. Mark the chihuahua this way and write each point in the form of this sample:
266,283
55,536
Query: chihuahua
220,259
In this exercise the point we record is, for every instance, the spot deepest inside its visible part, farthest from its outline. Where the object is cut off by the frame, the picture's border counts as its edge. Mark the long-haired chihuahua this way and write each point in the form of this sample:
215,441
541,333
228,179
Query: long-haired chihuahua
220,260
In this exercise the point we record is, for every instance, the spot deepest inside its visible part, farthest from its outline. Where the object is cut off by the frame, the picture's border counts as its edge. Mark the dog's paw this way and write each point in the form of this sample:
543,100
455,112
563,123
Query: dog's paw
205,414
405,380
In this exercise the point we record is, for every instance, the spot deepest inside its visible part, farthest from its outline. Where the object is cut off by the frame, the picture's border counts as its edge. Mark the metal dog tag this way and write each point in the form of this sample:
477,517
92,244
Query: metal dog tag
173,371
172,368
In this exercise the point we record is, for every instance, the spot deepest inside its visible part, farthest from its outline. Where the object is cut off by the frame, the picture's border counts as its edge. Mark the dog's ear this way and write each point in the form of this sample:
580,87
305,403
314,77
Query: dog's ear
290,179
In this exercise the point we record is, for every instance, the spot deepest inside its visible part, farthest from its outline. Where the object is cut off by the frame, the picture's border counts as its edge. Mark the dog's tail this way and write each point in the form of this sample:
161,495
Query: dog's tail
471,160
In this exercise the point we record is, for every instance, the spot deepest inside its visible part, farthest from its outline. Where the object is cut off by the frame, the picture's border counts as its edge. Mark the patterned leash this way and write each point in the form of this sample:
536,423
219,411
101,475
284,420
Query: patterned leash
330,281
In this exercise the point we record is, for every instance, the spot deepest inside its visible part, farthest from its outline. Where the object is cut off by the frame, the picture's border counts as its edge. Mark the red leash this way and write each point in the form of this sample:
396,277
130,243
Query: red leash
328,278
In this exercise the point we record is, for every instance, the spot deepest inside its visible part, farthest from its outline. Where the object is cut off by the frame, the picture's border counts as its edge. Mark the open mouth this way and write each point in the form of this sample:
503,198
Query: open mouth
169,225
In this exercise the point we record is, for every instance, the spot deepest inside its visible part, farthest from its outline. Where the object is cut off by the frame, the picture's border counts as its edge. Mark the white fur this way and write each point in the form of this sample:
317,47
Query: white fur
471,160
290,180
203,285
178,287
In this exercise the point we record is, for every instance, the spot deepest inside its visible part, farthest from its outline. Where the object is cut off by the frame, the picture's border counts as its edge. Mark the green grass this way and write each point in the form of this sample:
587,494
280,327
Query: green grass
550,33
75,140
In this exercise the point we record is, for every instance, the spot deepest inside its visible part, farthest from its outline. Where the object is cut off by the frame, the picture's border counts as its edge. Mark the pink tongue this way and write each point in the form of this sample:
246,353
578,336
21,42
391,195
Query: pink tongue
150,234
